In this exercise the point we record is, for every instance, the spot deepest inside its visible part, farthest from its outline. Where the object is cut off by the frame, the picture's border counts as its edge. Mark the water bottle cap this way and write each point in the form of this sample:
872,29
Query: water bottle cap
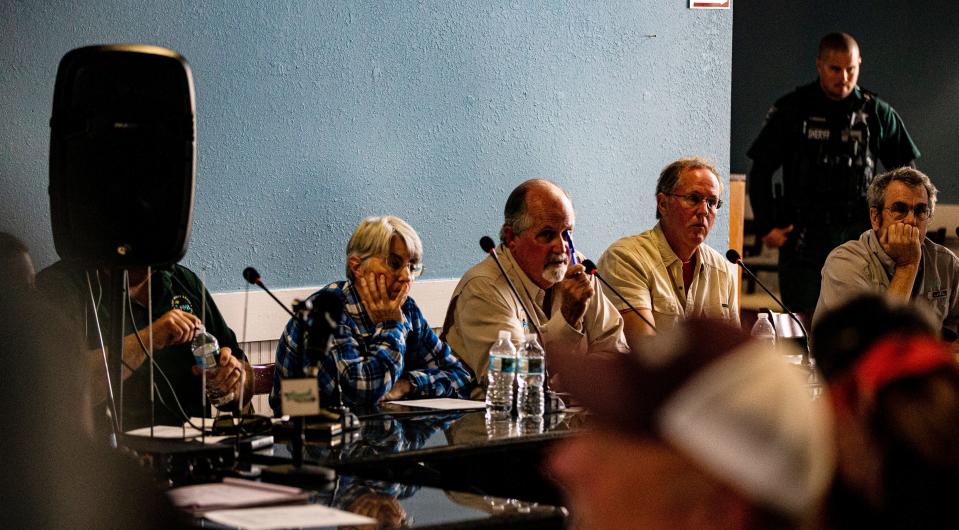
504,334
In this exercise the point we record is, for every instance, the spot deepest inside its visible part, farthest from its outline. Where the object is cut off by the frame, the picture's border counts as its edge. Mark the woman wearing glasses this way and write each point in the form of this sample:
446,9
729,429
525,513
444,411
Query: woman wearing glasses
895,257
383,348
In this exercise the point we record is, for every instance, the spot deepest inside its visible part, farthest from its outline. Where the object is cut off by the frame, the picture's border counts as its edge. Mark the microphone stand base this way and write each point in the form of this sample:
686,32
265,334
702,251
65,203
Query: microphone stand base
348,420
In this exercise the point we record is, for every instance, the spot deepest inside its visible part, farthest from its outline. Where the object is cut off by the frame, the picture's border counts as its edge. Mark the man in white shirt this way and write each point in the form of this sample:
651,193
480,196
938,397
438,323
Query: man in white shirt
668,273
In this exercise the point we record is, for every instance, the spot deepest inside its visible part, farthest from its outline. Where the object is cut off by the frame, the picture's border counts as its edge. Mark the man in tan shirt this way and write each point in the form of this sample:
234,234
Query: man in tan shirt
567,305
668,273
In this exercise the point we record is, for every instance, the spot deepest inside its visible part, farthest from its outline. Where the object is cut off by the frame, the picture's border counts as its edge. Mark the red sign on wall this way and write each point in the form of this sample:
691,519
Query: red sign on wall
709,4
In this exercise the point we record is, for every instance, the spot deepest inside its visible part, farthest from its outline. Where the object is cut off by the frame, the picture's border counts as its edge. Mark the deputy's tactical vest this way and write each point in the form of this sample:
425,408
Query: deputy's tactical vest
835,165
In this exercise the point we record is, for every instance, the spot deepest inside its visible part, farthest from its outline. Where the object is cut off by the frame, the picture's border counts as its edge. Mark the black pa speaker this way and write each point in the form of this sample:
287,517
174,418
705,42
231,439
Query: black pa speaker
122,155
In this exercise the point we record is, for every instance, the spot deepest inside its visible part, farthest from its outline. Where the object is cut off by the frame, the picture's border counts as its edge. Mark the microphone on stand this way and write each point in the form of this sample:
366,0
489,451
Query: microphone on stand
252,276
325,314
554,403
488,246
733,256
298,471
591,269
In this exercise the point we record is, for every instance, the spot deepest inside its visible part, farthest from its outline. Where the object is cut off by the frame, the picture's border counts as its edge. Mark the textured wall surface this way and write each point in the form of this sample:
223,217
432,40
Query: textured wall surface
312,116
909,50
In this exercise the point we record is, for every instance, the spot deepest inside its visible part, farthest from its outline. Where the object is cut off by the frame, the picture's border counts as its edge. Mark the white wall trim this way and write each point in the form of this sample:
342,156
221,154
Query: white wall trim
265,319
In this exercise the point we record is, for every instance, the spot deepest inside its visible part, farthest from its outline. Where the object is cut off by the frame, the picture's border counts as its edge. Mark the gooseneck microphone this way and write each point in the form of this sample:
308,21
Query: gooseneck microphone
298,470
253,277
733,256
488,246
591,269
554,403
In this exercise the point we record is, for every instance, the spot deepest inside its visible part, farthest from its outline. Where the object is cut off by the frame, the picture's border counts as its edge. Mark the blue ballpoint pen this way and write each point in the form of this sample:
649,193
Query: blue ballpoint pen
572,249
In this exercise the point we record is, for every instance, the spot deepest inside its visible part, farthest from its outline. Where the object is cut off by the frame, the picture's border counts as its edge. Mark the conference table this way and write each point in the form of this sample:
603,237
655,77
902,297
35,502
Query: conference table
442,469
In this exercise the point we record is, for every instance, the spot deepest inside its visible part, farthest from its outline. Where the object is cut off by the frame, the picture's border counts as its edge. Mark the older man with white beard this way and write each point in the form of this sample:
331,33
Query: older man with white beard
567,305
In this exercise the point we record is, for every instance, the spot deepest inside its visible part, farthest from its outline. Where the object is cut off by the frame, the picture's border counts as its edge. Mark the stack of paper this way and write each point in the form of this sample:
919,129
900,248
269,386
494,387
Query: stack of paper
233,493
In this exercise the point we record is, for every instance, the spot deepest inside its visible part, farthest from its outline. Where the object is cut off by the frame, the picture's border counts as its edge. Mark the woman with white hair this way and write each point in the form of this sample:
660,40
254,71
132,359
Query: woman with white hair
383,348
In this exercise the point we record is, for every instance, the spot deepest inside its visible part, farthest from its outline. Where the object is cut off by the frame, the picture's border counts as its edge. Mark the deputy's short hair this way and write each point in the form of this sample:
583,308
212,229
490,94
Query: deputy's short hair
837,42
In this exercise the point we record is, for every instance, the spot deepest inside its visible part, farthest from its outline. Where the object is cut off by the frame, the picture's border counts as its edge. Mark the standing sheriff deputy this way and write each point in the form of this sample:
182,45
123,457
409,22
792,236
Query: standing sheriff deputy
827,136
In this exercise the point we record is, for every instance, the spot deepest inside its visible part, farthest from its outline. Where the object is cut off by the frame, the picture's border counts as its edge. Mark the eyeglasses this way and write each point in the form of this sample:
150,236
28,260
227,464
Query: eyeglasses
396,264
693,200
899,211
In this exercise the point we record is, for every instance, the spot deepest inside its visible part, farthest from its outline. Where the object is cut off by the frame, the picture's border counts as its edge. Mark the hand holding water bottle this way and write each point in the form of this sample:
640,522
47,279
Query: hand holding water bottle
224,373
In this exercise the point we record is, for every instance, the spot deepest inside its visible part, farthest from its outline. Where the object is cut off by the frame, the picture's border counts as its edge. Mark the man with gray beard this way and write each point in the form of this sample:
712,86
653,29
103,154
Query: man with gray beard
567,305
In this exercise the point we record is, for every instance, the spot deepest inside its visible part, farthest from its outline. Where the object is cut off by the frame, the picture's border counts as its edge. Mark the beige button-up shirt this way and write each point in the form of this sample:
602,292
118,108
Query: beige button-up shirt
861,265
646,271
482,305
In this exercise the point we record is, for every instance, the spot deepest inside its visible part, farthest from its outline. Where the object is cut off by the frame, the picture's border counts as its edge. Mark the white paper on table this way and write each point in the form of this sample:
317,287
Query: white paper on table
166,431
198,421
302,516
232,493
442,403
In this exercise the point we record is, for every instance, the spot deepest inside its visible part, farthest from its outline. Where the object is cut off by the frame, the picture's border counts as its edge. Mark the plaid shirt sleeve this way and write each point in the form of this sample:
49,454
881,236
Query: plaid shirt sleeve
285,361
366,371
368,365
431,366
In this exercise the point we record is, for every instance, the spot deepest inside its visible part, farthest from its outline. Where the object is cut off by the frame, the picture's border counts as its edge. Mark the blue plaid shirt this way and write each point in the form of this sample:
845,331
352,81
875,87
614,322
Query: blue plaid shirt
370,358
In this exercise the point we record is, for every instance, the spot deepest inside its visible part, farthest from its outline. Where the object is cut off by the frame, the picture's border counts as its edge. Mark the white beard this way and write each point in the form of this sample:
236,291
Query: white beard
555,273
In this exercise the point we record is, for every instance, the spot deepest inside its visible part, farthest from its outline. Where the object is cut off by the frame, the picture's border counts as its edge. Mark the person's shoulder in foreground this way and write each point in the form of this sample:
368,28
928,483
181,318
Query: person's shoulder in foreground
720,432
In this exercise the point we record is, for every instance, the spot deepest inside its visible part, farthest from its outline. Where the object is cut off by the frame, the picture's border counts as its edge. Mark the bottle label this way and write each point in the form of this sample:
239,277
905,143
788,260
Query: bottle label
502,364
534,365
205,355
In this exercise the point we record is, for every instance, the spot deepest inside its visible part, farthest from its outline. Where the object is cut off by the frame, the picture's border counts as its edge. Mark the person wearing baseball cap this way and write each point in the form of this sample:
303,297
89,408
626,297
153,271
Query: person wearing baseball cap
895,393
700,428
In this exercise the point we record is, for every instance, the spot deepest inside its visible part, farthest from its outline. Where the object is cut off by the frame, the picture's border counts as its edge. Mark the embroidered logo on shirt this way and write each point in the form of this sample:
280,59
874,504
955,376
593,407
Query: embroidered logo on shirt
182,303
942,293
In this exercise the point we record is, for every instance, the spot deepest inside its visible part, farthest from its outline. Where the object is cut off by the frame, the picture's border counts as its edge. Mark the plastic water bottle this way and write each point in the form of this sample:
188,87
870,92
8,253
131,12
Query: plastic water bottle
499,426
206,354
530,399
763,330
502,371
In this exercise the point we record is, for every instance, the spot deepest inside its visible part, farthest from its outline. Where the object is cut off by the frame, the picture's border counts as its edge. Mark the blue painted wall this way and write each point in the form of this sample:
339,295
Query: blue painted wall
314,115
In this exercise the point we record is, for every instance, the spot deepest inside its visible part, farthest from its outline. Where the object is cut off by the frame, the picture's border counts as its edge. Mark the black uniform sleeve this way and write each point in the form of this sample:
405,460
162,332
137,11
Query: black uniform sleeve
767,154
896,148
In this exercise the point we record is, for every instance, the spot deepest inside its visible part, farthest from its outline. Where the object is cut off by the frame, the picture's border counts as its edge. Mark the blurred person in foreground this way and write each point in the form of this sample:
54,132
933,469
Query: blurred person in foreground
55,473
700,428
895,391
16,262
382,348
